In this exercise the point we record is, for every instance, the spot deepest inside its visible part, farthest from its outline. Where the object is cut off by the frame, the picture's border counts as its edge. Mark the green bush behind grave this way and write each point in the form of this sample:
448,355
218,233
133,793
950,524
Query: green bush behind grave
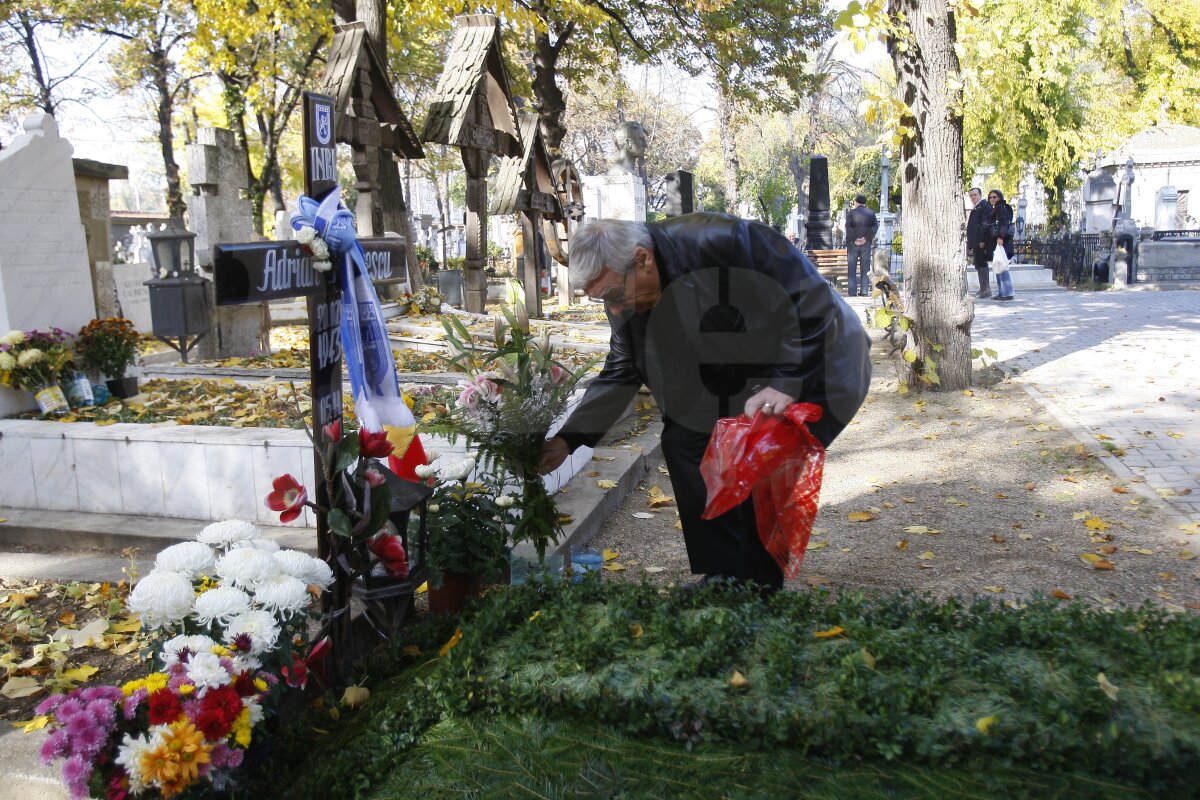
910,681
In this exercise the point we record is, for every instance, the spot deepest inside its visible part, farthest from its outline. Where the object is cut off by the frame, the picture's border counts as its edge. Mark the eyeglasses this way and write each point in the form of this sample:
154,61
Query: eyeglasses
612,295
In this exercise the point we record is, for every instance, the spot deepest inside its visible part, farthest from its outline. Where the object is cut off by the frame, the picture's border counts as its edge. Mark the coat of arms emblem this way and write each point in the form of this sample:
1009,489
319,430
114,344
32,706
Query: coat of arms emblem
324,124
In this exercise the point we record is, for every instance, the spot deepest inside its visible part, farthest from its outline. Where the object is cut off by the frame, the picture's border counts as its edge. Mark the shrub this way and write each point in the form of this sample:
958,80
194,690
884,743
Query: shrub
108,346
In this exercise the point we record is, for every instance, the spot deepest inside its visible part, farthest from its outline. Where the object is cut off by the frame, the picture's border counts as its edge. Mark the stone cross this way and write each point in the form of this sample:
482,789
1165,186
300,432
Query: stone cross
220,212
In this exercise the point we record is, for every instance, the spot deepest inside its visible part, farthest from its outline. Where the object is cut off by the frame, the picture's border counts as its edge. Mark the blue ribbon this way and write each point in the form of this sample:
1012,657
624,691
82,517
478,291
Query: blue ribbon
373,382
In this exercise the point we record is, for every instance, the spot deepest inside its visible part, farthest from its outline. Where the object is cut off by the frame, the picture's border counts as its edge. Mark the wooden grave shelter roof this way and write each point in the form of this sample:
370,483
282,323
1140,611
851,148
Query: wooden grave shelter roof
474,72
355,74
521,176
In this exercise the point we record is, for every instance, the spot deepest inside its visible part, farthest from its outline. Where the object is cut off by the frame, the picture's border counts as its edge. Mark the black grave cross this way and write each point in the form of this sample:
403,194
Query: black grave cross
259,271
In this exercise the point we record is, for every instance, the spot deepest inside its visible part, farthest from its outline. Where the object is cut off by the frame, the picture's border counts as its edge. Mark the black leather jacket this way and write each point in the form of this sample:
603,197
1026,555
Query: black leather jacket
861,223
741,307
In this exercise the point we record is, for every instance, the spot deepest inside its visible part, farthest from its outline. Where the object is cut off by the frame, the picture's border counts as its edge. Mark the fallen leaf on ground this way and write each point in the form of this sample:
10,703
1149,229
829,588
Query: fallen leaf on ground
927,555
1060,594
593,474
994,589
613,566
20,687
1191,528
984,724
860,516
654,570
656,499
606,484
611,554
829,633
1096,524
998,539
921,529
817,545
1120,490
643,515
737,680
902,544
355,696
1025,536
1097,562
1029,487
31,725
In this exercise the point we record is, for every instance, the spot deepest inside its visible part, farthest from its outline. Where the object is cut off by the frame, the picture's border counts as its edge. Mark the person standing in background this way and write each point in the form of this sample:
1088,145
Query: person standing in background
976,240
861,226
1000,235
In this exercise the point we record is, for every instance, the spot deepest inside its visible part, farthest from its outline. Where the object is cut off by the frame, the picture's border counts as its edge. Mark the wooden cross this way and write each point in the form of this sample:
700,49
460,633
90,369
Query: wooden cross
260,271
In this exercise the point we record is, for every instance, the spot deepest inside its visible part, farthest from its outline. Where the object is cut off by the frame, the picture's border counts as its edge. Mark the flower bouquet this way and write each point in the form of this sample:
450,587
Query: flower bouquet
32,361
109,346
515,391
226,610
425,300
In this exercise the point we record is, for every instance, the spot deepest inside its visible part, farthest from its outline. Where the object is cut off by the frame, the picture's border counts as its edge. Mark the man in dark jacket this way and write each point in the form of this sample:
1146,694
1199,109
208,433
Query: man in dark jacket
717,316
861,225
977,249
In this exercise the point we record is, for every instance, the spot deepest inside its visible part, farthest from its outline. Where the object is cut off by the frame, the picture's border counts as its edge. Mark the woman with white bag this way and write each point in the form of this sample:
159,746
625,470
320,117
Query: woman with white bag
1000,248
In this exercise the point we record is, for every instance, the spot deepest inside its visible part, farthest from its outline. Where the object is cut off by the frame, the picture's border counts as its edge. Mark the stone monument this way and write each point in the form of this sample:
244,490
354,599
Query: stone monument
1166,210
95,212
1099,194
820,224
45,279
621,194
218,212
680,192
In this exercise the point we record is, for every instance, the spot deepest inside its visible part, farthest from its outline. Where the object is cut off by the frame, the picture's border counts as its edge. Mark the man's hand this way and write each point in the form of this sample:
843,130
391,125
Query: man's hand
771,402
554,453
861,240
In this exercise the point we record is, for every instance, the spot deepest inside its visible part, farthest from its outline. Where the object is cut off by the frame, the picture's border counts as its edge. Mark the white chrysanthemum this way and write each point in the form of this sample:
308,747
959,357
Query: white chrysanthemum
424,471
187,558
305,567
320,249
257,714
220,605
282,594
246,566
228,532
28,358
197,643
306,234
161,599
245,663
322,266
13,337
7,363
505,500
259,625
129,756
206,671
266,545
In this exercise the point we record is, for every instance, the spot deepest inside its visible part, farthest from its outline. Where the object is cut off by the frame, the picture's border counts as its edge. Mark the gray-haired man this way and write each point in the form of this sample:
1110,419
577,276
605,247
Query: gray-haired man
717,316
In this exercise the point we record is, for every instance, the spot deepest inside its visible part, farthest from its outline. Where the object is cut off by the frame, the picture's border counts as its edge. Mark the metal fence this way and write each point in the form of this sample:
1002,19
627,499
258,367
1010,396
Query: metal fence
1072,259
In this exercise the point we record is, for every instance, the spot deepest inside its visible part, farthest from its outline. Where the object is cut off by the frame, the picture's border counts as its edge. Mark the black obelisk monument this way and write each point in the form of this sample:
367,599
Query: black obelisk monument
820,223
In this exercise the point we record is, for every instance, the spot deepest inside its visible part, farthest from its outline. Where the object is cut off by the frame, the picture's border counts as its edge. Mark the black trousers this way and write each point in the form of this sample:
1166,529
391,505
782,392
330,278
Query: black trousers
982,259
728,545
858,265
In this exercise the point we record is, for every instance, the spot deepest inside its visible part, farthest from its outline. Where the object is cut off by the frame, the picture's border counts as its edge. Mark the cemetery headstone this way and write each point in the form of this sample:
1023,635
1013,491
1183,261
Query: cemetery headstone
1166,209
133,296
95,212
1099,194
218,212
679,188
820,223
45,279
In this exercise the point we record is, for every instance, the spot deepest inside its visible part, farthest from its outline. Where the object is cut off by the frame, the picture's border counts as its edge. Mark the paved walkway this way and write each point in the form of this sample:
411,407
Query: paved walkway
1120,369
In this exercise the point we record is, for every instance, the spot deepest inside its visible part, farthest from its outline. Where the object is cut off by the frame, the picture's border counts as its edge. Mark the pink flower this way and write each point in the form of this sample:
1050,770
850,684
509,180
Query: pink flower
558,375
54,747
332,431
488,388
374,478
469,396
288,498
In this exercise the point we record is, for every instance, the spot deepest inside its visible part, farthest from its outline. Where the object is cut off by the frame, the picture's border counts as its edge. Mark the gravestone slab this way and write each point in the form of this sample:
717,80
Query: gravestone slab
133,296
45,277
1168,260
614,197
219,213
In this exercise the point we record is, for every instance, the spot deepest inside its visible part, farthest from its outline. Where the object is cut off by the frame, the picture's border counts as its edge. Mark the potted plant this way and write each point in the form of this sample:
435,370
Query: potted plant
109,346
468,535
31,361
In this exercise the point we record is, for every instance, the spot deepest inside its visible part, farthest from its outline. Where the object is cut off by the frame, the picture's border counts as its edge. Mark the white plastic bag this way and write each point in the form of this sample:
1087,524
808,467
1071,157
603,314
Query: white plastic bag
999,260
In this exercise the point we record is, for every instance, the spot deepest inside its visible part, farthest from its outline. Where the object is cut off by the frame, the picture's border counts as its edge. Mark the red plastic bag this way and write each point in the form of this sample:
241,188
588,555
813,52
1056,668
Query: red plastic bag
781,463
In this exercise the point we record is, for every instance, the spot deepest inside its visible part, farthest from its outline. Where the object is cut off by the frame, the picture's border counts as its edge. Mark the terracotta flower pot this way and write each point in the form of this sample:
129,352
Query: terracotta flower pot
456,589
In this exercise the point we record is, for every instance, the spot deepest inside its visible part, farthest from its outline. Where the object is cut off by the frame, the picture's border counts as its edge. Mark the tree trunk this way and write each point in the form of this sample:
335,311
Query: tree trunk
931,164
551,104
234,98
166,137
729,159
45,102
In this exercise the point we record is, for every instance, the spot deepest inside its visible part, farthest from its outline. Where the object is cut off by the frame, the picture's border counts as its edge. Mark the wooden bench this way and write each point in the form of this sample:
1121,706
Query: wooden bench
832,266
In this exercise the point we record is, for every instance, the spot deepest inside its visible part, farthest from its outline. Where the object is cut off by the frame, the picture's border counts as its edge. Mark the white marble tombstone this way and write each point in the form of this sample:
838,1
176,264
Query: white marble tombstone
1166,209
133,295
620,196
45,275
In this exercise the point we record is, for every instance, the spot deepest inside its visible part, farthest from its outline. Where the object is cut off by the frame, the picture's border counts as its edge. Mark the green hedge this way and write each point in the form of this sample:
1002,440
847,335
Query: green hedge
910,680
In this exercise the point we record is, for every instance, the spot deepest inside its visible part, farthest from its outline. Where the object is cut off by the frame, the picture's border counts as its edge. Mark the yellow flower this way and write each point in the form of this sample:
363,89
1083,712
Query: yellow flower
451,644
220,650
186,689
175,764
151,683
260,684
241,728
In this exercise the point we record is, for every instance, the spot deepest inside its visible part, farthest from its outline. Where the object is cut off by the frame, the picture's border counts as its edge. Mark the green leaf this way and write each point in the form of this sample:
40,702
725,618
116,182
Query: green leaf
937,348
931,371
910,356
905,322
347,454
990,353
381,507
883,318
976,352
339,523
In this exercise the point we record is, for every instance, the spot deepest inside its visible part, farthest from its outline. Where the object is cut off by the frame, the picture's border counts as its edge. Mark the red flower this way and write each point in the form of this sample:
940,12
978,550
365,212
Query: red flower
297,674
333,431
218,710
289,498
244,685
165,707
374,478
373,445
389,548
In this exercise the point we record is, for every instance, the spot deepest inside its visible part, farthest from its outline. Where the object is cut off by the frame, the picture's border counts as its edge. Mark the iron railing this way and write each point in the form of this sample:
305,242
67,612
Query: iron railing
1072,259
